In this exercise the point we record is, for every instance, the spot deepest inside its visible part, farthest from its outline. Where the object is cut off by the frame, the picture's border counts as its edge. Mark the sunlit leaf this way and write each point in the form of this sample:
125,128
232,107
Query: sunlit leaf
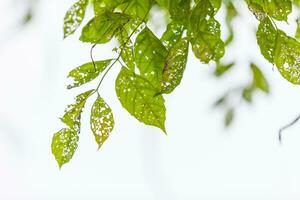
150,55
74,17
87,72
172,34
174,66
64,144
102,121
139,98
103,28
73,112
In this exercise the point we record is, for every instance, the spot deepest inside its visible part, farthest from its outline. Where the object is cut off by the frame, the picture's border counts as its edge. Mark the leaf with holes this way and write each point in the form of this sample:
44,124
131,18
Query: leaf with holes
102,121
87,72
139,98
74,17
102,28
174,66
64,144
172,34
205,33
73,112
150,55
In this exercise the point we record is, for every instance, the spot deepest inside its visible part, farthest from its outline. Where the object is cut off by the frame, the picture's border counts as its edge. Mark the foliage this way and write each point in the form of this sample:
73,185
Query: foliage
152,67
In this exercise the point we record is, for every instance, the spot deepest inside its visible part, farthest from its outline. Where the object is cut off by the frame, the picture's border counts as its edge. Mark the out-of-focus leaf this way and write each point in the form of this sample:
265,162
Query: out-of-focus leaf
297,35
138,97
222,68
247,94
259,80
229,116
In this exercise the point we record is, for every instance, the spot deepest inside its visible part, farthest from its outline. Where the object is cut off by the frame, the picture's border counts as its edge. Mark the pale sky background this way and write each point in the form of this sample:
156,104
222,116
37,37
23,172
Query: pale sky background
197,160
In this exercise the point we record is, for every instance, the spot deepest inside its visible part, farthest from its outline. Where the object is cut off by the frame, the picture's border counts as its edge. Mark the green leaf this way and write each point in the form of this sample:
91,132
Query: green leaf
139,98
297,35
259,81
266,39
150,55
164,3
222,68
102,121
287,57
126,47
137,8
231,13
278,9
229,116
64,144
174,66
172,35
73,112
87,72
247,94
103,28
179,10
74,17
205,33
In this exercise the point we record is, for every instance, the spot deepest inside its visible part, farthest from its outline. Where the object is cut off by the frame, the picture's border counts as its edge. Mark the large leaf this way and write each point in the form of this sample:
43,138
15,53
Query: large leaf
179,10
137,8
281,50
87,72
139,98
73,112
103,28
172,34
102,121
74,17
64,144
150,56
174,66
126,47
205,33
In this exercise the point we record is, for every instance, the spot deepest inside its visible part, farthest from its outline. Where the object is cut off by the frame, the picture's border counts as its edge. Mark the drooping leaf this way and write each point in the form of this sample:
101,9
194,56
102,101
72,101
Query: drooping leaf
73,112
174,66
103,28
278,9
231,13
87,72
74,17
259,80
150,56
139,98
64,144
172,35
102,121
256,7
205,33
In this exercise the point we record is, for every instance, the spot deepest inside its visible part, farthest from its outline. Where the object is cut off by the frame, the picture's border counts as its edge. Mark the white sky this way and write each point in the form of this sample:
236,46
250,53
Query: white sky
197,160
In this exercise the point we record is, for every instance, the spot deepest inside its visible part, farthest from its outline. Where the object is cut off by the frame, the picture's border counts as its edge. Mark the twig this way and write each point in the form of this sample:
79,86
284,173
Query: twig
286,127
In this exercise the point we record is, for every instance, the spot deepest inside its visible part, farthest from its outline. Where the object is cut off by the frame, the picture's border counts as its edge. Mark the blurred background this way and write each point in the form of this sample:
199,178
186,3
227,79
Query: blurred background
199,159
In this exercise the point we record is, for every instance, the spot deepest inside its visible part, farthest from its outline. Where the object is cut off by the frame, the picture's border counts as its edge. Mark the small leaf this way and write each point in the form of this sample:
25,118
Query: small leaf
259,81
229,116
150,55
174,66
87,72
64,144
297,35
73,112
102,121
102,28
74,17
247,94
222,68
139,98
